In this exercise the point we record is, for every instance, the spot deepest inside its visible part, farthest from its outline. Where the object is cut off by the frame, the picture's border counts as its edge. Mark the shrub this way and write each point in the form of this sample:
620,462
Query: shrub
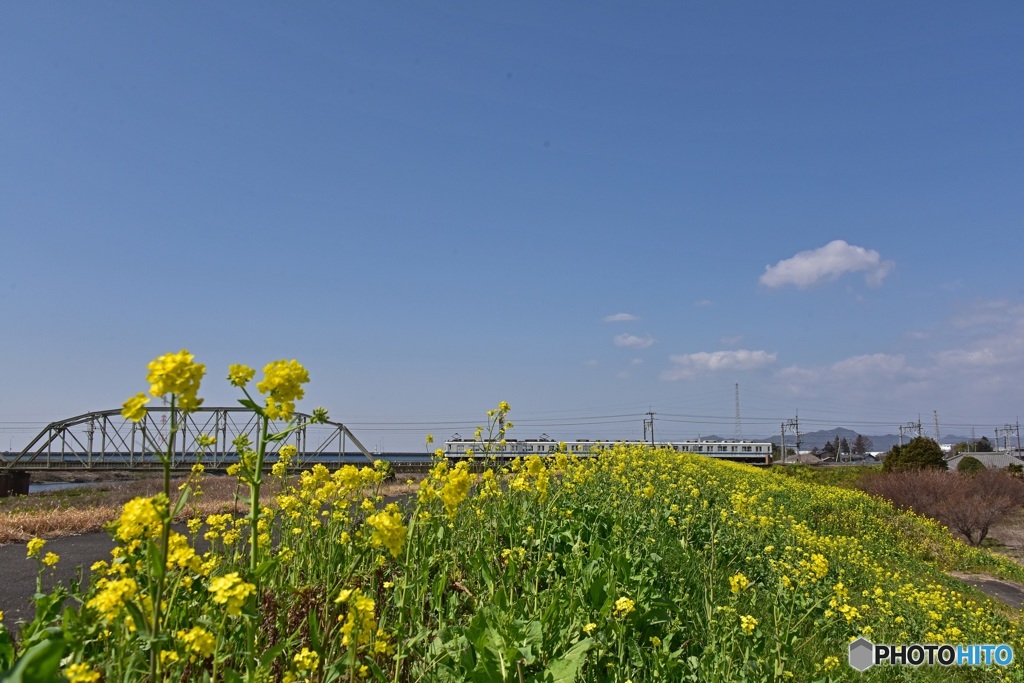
970,465
920,453
969,505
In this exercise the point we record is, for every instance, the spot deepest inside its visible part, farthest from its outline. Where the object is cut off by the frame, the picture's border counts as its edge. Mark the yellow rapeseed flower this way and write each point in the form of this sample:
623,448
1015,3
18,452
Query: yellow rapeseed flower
81,673
738,582
51,559
388,531
231,591
198,642
360,623
34,547
456,488
748,624
134,409
282,385
306,660
111,596
623,606
142,518
176,373
239,375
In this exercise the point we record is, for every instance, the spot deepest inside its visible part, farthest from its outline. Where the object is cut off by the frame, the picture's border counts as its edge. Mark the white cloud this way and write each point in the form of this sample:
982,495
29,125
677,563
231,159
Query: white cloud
633,341
591,363
620,318
731,341
690,365
836,258
704,303
637,361
974,374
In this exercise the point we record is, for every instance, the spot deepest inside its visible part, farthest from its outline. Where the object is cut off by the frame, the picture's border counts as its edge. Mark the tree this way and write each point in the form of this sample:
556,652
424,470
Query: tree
920,453
983,445
970,465
844,446
862,445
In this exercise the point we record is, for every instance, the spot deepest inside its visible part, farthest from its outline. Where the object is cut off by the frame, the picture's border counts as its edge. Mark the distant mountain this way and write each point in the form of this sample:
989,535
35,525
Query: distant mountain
882,442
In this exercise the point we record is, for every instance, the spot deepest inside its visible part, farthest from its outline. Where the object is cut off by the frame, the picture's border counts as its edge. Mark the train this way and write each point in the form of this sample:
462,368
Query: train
748,452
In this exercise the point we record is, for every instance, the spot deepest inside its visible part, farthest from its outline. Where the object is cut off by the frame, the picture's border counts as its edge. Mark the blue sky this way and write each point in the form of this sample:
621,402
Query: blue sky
436,206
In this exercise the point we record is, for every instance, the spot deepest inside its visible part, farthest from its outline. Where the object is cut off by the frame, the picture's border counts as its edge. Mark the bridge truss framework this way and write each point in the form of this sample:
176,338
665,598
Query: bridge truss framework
106,440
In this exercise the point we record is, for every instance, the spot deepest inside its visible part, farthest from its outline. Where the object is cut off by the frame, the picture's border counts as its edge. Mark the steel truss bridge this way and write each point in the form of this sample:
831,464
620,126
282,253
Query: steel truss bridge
107,441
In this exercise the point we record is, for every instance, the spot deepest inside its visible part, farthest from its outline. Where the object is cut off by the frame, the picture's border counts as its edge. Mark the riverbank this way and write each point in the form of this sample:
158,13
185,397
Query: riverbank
86,509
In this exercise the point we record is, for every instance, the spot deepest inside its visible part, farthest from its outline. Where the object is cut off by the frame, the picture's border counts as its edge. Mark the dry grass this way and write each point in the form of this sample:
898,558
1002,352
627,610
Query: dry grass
81,510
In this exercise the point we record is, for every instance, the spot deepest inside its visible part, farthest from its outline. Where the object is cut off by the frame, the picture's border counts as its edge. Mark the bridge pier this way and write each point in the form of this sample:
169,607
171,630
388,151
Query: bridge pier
14,483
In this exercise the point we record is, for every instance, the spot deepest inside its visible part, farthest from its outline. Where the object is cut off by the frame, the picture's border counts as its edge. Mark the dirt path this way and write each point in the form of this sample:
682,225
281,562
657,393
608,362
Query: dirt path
1007,592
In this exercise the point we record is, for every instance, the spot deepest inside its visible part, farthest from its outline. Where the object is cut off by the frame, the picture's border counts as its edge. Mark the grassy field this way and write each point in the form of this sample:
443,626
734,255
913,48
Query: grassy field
635,566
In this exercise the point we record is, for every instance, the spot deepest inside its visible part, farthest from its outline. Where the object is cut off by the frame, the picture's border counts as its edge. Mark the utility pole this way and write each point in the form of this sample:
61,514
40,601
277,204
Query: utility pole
739,428
793,424
649,424
909,428
1008,430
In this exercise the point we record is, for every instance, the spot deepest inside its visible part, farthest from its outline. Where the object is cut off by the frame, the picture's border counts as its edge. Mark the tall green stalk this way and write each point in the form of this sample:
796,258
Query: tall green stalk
254,500
165,539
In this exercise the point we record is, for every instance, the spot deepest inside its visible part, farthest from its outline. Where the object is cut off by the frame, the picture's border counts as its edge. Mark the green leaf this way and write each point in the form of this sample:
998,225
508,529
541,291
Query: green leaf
182,499
41,662
314,630
6,649
252,405
278,436
265,567
140,621
268,657
566,668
